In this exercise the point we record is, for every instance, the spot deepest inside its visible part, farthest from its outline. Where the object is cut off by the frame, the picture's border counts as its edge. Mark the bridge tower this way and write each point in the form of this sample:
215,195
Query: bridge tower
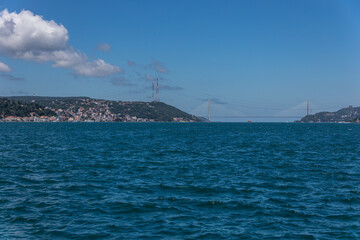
209,109
307,107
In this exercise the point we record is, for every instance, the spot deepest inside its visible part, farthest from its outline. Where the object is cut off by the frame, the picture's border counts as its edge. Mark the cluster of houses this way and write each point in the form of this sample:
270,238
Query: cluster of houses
92,110
30,119
77,118
127,118
84,110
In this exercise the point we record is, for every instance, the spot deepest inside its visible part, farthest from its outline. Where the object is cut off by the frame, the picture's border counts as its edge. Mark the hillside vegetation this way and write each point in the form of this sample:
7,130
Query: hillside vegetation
349,114
22,109
88,109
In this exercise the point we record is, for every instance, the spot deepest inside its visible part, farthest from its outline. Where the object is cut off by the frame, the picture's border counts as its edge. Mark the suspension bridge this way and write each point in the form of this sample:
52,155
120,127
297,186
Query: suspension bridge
214,107
256,116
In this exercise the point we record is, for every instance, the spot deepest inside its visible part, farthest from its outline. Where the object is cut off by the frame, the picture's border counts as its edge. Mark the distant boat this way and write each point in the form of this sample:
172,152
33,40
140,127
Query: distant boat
249,121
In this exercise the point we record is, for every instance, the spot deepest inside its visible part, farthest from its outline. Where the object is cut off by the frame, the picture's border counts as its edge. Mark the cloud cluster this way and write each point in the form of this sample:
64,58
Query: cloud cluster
28,36
11,77
4,67
131,63
96,68
121,81
218,101
149,77
155,65
214,100
4,73
158,67
170,88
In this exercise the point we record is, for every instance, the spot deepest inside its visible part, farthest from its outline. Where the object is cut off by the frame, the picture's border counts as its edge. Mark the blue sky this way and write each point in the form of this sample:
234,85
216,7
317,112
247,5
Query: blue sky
250,58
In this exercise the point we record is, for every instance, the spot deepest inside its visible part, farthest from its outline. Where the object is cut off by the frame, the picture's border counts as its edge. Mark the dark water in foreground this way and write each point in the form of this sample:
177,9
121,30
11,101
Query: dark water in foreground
179,181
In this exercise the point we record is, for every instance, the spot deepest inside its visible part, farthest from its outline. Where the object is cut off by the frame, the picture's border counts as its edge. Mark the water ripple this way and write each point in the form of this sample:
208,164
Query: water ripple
179,181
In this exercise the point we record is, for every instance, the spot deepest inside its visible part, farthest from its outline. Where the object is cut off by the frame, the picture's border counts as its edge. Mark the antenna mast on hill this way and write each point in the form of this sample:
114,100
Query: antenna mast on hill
157,97
153,94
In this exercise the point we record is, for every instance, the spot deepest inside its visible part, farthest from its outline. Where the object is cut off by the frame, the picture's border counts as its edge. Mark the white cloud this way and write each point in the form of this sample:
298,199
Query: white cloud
26,32
67,58
97,68
4,67
103,47
28,36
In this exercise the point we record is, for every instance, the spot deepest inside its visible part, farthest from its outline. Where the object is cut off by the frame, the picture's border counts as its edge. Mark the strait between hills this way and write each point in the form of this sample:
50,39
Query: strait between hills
85,109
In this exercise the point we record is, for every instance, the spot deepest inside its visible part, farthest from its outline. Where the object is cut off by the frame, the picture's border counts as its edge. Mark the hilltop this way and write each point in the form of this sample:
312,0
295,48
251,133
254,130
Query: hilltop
349,114
85,109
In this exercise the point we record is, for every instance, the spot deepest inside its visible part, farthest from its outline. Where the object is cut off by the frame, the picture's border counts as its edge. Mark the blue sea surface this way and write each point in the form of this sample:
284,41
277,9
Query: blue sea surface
179,181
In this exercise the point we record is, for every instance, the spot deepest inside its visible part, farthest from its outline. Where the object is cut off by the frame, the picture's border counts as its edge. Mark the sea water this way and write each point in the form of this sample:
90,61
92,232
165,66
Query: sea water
179,181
